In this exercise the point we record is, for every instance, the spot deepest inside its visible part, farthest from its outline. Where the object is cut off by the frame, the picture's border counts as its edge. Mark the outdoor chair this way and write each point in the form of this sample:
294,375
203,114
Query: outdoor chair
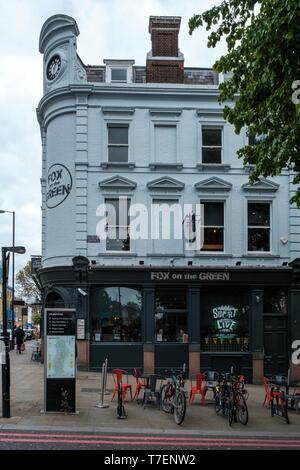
267,387
117,375
211,377
140,383
197,387
151,393
36,352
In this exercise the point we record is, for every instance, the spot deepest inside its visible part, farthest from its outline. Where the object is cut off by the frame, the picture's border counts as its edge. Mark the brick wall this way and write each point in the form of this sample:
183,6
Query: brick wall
165,71
164,43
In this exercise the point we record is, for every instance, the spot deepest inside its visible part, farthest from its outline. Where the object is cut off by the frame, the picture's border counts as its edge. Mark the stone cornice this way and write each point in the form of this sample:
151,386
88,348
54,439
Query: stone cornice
150,89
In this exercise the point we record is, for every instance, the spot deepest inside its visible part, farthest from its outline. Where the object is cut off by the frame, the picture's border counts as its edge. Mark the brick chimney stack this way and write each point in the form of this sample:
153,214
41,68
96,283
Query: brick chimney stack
165,63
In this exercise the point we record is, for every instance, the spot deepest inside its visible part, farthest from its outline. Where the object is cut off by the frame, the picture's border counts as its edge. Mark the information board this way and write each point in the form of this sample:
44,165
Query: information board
60,360
80,328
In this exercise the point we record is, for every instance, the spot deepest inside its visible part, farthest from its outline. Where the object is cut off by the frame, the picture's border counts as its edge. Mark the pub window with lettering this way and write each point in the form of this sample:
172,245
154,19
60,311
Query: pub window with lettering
213,230
116,315
224,315
171,316
259,227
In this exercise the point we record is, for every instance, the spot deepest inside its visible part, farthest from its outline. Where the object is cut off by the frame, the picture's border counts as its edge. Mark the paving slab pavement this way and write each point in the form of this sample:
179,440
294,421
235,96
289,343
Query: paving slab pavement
27,393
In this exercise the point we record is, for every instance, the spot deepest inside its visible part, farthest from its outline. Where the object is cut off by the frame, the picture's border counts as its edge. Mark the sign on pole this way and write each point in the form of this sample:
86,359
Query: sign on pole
60,360
36,264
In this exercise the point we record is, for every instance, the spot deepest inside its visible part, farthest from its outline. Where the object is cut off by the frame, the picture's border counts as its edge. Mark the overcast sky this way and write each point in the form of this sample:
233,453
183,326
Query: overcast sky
108,29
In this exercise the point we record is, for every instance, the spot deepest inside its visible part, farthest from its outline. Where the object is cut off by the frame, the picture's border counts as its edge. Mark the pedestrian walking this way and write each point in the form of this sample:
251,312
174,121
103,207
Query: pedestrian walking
20,335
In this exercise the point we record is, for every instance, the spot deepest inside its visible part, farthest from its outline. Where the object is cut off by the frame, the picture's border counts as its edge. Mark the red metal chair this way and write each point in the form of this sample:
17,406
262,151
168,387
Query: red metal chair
140,383
198,387
117,375
267,387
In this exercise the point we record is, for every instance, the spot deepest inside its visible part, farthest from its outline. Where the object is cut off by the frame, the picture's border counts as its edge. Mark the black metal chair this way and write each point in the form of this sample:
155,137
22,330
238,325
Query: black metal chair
211,377
151,393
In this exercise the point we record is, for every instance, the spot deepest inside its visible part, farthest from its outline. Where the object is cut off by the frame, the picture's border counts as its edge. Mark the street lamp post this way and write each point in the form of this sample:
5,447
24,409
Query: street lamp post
13,272
6,365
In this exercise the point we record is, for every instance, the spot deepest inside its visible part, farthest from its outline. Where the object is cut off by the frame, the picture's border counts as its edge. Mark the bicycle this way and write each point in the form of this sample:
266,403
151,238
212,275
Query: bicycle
230,398
279,403
120,407
173,397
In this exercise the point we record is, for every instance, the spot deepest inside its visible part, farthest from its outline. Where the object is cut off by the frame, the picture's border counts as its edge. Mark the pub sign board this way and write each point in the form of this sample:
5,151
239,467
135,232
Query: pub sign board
60,360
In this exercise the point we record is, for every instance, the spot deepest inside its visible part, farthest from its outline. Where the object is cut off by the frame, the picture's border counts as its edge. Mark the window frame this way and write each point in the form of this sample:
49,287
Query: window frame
214,201
118,67
117,198
119,286
210,126
114,64
259,201
168,311
108,145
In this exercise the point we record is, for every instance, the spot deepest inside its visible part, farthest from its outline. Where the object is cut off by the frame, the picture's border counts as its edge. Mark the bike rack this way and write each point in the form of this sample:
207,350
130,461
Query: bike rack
101,404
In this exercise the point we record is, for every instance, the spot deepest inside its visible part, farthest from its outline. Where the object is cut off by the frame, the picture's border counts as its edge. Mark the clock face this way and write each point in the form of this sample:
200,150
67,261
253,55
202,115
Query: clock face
53,67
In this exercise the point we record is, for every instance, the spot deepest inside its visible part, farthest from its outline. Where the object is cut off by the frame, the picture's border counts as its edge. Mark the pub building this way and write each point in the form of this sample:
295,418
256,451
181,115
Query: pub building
155,135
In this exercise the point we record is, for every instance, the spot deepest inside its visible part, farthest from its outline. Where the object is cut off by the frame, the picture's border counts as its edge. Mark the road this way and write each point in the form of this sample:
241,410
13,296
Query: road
30,440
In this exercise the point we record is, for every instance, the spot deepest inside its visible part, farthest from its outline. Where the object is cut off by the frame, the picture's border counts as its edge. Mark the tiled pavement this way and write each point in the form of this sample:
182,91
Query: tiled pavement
27,392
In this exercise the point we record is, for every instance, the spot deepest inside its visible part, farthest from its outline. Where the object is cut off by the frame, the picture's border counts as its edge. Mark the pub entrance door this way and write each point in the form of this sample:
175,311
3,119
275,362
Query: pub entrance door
275,345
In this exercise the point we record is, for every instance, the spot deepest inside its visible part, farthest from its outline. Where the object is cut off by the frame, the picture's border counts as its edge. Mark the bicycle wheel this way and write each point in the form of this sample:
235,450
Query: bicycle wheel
179,407
241,410
218,404
166,403
230,406
285,411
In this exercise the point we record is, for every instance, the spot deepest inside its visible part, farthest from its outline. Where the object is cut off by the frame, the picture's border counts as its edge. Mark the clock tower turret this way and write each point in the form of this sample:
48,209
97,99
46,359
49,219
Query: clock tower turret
57,42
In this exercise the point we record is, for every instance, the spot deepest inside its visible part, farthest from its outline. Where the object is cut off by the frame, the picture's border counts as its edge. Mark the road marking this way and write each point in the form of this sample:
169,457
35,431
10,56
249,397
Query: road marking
150,438
145,441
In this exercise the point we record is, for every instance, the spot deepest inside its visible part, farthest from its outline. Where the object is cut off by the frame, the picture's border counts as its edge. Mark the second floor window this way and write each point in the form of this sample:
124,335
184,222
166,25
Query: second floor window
117,224
258,226
213,226
211,145
117,143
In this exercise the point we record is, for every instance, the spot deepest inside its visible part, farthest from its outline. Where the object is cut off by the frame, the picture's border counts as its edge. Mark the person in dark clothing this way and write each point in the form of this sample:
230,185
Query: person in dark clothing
19,334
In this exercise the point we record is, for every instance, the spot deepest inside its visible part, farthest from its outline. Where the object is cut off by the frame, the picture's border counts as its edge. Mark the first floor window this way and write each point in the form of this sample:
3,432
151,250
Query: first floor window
211,145
224,315
117,224
116,314
171,316
258,226
117,143
213,226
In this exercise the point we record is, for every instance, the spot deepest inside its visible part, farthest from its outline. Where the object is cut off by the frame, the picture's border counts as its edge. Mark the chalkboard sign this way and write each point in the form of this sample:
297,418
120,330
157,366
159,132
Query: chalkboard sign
60,360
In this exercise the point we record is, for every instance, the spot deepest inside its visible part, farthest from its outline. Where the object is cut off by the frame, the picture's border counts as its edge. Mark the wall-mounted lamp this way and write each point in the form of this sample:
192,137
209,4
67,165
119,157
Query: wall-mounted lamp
284,240
190,263
238,263
258,299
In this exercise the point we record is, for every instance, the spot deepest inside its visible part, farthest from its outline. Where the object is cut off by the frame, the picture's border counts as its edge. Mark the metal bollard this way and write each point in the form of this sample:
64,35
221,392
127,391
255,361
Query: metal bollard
106,392
101,404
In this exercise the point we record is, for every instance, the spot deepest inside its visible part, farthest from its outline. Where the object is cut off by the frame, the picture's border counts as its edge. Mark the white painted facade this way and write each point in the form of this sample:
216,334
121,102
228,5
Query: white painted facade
74,114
